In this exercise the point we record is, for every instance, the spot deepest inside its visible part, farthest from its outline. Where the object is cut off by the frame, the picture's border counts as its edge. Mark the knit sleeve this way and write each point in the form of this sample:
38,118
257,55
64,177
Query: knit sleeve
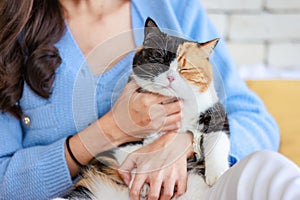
38,172
252,127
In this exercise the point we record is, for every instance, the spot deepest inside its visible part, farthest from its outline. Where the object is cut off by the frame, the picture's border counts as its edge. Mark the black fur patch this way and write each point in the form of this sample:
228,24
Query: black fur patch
158,51
196,166
214,119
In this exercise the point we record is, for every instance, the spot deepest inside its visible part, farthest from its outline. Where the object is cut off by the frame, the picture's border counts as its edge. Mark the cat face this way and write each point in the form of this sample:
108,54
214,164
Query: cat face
170,65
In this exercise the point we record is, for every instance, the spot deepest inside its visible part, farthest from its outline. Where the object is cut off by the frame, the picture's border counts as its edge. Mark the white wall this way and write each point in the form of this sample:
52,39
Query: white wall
260,32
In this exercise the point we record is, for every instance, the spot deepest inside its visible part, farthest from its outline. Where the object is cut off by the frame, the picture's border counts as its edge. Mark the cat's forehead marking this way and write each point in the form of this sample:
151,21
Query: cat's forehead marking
193,65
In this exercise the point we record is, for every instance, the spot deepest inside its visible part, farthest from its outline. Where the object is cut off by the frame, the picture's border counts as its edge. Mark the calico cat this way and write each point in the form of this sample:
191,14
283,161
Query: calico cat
170,66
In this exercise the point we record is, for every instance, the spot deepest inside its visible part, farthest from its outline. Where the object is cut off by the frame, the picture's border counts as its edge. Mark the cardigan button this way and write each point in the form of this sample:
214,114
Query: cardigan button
26,120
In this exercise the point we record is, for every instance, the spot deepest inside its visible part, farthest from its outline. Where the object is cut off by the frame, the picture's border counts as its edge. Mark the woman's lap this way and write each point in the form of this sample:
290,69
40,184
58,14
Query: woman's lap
260,176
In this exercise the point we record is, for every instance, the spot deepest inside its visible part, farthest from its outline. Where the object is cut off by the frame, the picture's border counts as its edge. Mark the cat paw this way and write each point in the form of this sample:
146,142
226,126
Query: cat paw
211,179
211,176
144,192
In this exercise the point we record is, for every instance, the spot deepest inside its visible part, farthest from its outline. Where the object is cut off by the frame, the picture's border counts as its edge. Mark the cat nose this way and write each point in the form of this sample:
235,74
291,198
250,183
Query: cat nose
171,78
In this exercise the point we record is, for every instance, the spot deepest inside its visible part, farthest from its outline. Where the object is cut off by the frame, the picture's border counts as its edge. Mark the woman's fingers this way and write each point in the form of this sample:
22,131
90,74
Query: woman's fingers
168,189
172,108
155,188
137,184
172,123
165,109
181,185
161,121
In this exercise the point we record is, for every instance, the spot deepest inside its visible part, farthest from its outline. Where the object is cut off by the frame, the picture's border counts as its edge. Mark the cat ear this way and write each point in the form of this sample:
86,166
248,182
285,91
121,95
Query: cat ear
151,27
150,23
210,45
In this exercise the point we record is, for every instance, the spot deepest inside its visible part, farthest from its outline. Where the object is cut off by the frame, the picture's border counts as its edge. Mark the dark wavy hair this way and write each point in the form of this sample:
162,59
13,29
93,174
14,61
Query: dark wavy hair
28,31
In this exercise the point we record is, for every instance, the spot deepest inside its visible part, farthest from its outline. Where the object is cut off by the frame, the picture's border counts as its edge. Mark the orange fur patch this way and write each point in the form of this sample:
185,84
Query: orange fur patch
194,66
108,174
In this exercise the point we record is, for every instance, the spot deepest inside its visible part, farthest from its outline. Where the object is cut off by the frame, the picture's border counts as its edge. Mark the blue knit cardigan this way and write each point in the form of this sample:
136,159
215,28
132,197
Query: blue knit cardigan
32,158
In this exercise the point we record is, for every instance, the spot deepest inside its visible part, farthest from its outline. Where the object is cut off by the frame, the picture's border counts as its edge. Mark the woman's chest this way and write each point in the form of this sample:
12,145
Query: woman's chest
77,99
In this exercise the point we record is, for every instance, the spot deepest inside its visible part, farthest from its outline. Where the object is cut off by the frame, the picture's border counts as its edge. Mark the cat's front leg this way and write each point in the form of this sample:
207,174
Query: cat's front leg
216,146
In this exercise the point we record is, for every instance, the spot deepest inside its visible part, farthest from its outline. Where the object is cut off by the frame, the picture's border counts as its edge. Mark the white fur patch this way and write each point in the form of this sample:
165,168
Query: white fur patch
196,188
216,151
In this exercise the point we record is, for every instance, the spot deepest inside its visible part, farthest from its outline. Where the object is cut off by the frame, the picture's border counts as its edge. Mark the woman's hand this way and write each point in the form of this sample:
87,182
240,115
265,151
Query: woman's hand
138,114
133,117
162,164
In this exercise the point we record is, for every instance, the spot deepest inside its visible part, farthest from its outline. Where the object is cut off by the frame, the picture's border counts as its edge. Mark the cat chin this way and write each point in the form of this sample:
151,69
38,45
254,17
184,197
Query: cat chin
155,88
166,91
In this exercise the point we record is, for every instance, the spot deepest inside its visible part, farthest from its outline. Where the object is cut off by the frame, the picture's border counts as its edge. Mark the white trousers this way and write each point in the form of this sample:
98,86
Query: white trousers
263,175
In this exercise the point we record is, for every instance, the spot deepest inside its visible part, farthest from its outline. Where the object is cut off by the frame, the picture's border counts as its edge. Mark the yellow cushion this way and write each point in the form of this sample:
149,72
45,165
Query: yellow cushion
282,98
